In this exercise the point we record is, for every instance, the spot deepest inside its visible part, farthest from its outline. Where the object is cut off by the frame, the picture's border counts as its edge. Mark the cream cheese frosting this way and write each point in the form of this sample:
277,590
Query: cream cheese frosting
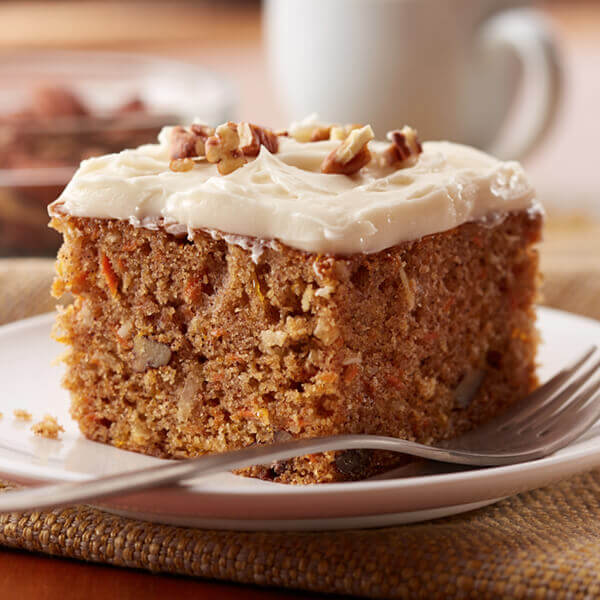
285,197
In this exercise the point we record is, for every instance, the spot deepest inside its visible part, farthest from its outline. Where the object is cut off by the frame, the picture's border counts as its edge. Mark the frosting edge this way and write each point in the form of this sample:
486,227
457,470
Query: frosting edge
272,198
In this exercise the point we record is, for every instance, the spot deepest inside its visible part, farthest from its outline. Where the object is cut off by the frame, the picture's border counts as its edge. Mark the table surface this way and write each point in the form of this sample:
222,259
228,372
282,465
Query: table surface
28,576
228,40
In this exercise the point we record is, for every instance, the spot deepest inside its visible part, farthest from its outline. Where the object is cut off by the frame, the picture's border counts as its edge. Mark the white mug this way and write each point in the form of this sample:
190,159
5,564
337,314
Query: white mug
450,68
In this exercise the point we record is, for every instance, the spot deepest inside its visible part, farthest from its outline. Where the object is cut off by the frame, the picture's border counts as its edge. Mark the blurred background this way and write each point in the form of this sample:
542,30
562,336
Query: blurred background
81,78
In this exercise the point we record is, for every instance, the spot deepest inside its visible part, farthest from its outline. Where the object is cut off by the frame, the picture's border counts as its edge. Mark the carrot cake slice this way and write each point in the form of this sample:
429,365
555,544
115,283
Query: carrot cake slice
235,286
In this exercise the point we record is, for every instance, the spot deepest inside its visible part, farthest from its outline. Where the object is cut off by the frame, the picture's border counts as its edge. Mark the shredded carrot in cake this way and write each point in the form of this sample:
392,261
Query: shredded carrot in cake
256,286
394,381
350,373
109,274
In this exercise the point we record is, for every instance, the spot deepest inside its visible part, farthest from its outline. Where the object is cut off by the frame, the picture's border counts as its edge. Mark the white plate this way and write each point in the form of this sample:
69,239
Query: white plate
29,380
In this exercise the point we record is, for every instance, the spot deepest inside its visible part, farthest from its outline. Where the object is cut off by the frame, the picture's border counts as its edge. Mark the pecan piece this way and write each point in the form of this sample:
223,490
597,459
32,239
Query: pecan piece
56,101
320,134
181,165
467,389
252,137
223,149
281,436
341,132
188,144
351,155
149,354
135,105
201,130
405,148
309,130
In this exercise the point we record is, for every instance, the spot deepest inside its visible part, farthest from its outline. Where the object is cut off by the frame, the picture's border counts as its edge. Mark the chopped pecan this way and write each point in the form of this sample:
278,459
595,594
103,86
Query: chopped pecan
281,435
252,137
467,389
188,144
351,155
223,149
341,132
201,130
149,354
303,131
303,134
404,149
181,165
320,134
134,105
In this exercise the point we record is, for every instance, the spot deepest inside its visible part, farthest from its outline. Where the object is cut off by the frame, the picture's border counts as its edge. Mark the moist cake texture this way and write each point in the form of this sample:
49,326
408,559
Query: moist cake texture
186,340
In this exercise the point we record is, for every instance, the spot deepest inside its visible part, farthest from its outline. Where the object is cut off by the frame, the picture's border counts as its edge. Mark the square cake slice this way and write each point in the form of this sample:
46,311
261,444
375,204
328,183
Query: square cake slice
240,287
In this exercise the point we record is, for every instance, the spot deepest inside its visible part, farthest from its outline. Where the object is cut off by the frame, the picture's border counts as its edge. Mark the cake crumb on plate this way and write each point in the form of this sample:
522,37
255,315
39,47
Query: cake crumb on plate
22,414
48,427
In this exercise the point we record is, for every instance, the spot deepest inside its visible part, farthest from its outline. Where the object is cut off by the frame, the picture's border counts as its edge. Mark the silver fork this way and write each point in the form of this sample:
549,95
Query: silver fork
548,419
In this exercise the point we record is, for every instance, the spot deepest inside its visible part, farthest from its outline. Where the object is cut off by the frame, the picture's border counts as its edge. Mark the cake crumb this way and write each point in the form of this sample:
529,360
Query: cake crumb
22,414
48,427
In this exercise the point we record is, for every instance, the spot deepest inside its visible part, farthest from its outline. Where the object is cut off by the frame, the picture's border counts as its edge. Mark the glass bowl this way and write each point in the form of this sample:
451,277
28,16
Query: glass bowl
59,107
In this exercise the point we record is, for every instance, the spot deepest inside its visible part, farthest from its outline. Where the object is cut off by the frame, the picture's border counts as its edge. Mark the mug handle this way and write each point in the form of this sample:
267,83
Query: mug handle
525,35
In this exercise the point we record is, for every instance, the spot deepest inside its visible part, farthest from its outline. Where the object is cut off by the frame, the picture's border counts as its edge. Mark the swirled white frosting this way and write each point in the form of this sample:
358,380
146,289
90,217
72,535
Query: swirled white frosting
285,197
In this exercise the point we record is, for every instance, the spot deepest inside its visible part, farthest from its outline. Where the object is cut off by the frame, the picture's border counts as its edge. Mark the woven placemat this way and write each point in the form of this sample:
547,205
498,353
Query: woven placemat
541,544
